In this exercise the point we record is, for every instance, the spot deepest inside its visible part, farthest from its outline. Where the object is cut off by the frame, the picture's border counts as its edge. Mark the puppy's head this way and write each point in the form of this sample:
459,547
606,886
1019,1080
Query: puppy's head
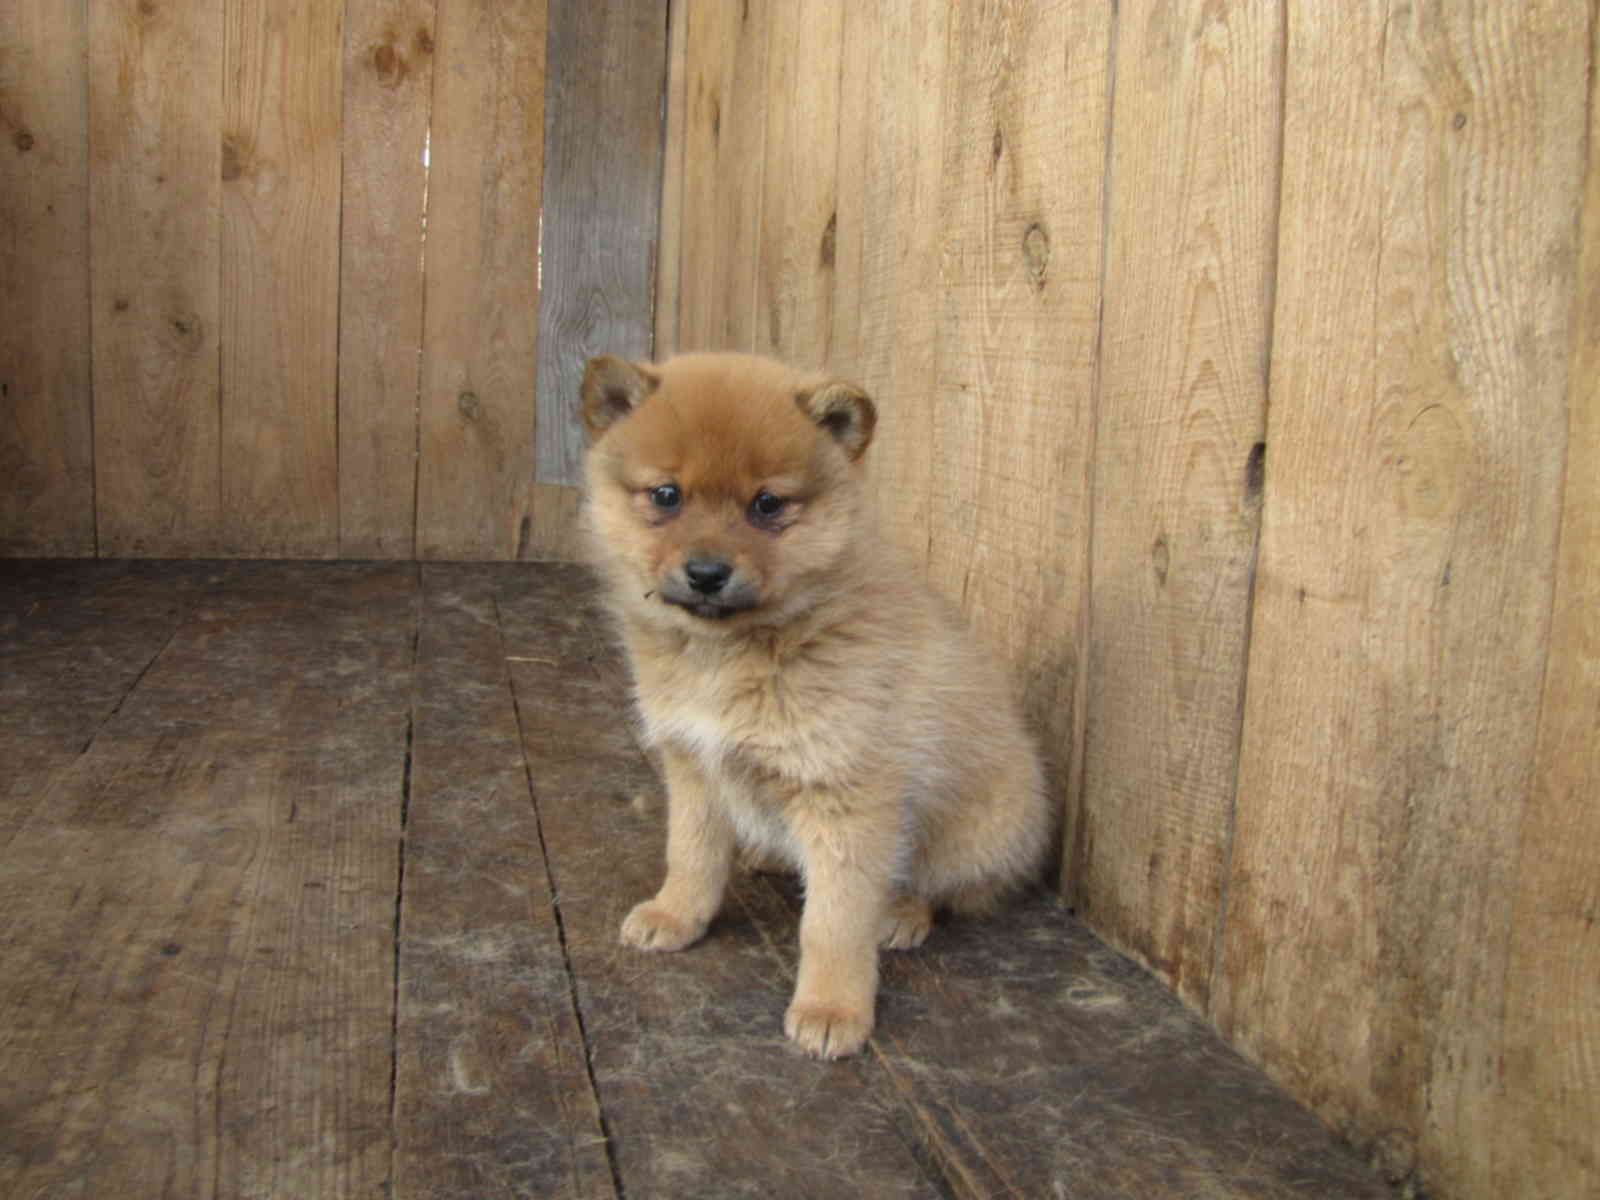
723,490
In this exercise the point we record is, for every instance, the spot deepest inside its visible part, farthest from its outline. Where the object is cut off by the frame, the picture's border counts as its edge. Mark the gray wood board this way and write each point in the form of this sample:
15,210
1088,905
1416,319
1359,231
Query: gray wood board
605,80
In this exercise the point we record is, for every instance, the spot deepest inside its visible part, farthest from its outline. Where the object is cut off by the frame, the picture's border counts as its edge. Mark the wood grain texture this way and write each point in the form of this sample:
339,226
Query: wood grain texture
1027,114
480,329
388,82
492,1096
46,437
1181,409
894,279
724,154
799,206
200,943
1540,1138
155,76
669,233
1405,588
282,65
604,83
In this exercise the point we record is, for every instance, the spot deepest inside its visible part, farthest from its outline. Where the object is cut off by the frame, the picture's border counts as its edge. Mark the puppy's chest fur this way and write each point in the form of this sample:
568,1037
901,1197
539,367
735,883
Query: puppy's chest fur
754,711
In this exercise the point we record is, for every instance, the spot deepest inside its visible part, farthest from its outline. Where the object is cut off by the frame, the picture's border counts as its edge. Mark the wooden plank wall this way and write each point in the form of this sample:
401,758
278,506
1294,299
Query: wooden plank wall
269,272
1237,365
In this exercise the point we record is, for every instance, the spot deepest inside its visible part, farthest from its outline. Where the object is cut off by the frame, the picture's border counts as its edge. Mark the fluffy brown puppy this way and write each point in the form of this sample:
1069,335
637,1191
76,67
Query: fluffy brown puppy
808,696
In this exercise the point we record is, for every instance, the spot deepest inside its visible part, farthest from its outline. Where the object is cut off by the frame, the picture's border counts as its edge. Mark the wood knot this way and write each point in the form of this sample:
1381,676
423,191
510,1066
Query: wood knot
23,140
1160,558
390,65
1036,252
830,238
422,43
235,156
120,304
998,147
147,8
186,332
469,406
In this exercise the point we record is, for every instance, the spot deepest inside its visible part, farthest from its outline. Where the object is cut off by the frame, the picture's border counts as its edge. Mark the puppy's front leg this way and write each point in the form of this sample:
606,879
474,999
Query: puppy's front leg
700,847
848,844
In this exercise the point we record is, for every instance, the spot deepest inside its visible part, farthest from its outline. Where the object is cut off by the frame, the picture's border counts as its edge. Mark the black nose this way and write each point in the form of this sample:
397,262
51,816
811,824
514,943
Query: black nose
707,575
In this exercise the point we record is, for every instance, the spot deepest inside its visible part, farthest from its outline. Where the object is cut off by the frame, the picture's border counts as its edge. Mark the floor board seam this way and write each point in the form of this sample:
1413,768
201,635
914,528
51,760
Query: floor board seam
400,880
561,928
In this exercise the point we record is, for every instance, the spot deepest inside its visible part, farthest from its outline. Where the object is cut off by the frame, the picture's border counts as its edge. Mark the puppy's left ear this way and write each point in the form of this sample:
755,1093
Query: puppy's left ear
613,388
844,411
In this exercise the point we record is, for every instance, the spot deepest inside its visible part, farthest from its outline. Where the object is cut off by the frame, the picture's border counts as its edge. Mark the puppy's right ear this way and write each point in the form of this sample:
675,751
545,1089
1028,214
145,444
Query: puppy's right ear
613,388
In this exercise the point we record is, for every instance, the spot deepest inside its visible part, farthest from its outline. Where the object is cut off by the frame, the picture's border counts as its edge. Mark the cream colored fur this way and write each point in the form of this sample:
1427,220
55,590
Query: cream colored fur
840,720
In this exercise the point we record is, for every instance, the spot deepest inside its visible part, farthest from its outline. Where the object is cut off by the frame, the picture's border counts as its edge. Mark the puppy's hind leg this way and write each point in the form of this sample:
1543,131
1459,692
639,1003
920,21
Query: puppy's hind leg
907,923
700,849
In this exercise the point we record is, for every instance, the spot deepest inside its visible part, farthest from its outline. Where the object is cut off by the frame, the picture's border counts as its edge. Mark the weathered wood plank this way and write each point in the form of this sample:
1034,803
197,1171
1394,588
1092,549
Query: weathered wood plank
1181,416
701,1092
492,1092
799,229
155,195
1541,1137
898,282
1404,595
282,68
46,438
604,82
1027,113
669,236
200,934
724,153
76,636
388,81
479,334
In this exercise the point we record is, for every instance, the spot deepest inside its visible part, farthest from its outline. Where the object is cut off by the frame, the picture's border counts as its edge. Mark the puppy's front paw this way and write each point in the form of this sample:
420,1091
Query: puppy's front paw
827,1030
651,927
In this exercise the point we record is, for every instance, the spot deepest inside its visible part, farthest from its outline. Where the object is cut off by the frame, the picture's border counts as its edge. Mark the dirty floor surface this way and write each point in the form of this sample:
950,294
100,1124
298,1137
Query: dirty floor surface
310,879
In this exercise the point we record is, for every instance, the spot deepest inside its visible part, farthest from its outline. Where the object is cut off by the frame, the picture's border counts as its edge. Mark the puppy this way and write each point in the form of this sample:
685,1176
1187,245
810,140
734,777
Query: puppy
809,698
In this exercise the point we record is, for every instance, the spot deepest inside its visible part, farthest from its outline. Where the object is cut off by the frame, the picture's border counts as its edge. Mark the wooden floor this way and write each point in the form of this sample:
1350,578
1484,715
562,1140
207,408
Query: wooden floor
309,883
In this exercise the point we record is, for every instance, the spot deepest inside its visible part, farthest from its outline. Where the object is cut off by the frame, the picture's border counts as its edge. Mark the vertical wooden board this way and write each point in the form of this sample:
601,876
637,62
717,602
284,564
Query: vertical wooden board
482,264
280,277
899,268
724,157
155,78
388,81
664,335
1542,1138
492,1097
46,435
799,208
1180,411
605,78
1026,118
1405,585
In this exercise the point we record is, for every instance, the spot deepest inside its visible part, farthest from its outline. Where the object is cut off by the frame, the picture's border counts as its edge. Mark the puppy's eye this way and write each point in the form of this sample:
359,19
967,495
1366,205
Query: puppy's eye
667,496
766,506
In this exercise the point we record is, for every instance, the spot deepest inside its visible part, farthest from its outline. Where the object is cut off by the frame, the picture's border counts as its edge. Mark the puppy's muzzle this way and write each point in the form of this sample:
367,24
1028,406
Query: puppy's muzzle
708,586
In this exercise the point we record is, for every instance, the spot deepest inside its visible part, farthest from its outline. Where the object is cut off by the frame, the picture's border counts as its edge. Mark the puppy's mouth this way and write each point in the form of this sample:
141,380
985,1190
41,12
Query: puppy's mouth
708,609
714,606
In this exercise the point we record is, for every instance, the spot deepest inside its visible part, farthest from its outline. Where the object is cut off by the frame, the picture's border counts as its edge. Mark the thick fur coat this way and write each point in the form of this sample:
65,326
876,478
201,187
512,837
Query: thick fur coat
810,699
